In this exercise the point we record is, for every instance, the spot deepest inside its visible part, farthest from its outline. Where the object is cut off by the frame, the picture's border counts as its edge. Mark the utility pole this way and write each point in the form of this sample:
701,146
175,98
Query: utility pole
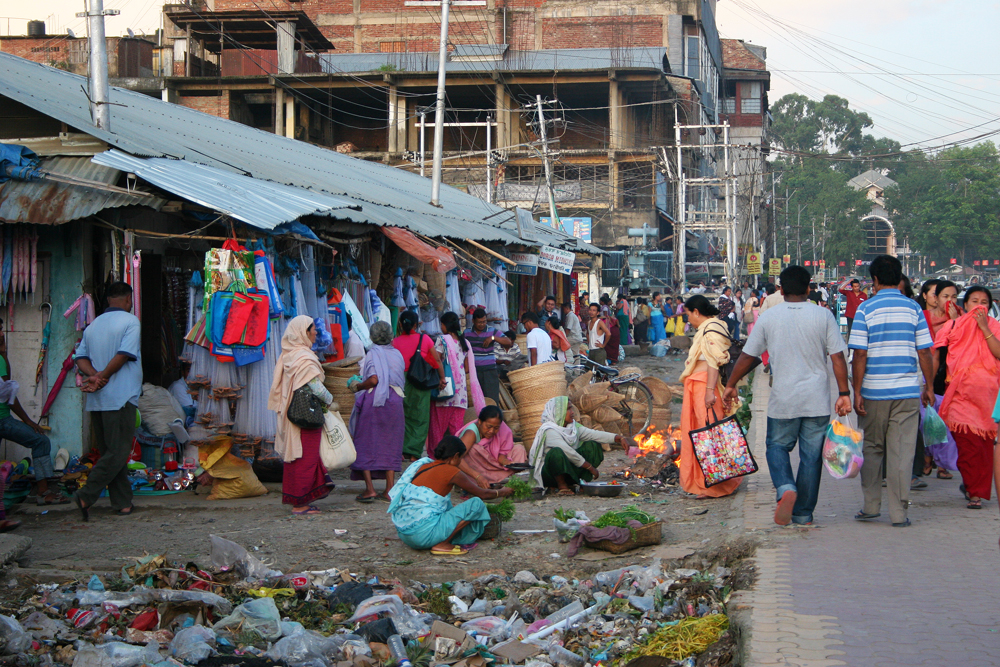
439,111
99,110
545,158
798,237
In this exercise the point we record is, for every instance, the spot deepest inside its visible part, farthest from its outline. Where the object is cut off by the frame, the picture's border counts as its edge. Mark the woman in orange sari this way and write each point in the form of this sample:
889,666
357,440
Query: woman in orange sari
709,351
973,343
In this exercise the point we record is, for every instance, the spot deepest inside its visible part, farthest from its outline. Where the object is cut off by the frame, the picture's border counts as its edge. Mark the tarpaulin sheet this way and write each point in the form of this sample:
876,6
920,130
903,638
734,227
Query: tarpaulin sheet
440,259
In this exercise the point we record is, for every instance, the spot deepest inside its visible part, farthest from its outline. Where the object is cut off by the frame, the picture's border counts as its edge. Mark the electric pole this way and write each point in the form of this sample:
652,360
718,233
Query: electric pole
543,133
99,110
439,110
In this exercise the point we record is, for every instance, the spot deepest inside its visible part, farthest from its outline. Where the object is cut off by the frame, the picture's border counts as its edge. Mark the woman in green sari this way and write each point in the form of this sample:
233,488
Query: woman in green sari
416,400
564,451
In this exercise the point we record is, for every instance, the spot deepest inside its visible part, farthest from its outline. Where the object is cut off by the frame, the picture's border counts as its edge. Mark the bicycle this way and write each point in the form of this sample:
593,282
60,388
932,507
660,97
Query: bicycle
634,394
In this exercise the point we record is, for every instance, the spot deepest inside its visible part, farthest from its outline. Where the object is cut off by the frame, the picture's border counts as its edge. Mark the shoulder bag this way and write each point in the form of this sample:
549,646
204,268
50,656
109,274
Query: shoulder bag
305,409
421,373
722,451
336,448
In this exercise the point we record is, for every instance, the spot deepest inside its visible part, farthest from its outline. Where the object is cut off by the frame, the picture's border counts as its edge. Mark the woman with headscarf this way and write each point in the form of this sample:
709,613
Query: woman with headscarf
564,451
490,448
421,508
702,390
448,415
613,344
416,399
377,421
973,343
304,479
657,323
623,313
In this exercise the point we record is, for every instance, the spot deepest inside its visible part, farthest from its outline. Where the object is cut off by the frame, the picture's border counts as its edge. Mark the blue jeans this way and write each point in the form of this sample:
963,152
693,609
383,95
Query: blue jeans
782,434
17,431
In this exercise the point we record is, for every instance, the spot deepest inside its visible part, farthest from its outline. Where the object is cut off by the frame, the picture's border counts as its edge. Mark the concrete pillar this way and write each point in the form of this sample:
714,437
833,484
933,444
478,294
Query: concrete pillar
506,119
279,110
615,117
290,116
397,121
286,46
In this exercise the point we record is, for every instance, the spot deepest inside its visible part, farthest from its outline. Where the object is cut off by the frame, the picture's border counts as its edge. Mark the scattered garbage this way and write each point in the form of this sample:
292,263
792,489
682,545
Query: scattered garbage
169,614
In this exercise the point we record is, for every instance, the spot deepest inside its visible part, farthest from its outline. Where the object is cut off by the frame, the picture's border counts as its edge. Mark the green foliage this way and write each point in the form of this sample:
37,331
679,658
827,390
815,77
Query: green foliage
435,600
522,490
564,515
504,509
388,67
623,516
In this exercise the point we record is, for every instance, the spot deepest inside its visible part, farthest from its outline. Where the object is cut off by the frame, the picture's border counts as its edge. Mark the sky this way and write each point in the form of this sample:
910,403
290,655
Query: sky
926,71
922,69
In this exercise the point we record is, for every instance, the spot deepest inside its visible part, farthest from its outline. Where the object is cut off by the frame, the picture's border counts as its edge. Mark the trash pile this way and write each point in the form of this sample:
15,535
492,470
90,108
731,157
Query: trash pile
241,612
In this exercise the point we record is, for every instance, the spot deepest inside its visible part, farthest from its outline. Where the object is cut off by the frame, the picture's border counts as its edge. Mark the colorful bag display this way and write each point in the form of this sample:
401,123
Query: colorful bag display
722,451
842,449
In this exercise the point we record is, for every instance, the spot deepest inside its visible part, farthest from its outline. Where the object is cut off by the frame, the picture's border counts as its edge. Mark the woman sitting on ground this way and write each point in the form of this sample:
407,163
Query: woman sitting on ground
490,448
564,451
421,506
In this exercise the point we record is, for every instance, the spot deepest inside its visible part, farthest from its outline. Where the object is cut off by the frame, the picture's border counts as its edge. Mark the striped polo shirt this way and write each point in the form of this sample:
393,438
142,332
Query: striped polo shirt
891,328
481,347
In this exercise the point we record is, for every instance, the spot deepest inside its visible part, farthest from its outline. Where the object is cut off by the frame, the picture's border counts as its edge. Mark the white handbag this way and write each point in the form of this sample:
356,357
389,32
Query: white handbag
337,447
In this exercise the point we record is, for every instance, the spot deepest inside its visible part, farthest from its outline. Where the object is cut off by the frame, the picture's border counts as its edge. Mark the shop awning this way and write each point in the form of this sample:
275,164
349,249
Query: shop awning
260,203
47,202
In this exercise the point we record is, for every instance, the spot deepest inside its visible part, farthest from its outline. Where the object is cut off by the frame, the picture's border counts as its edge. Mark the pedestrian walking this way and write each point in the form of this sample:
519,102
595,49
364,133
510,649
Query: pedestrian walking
702,389
727,312
855,297
573,328
448,413
377,423
416,399
657,322
891,345
801,339
973,345
623,313
109,357
641,326
597,336
483,338
304,478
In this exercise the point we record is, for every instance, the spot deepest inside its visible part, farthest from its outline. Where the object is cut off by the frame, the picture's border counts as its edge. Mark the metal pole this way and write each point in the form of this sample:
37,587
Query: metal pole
730,212
774,221
423,118
99,109
489,168
439,110
679,233
554,217
798,237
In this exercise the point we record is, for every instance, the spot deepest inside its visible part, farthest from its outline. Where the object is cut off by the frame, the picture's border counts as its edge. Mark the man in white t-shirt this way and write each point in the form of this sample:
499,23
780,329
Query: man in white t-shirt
539,343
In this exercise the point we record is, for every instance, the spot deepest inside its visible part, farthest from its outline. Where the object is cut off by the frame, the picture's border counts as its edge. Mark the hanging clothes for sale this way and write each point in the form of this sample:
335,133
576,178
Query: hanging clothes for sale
267,284
494,307
398,299
412,296
452,294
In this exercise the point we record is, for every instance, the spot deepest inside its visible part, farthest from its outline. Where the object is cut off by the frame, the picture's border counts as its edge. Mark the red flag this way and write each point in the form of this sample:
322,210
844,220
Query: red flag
933,263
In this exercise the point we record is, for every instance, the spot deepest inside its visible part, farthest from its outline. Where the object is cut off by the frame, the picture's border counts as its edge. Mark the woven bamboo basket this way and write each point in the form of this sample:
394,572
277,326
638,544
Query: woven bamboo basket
341,369
553,370
492,530
597,388
660,390
539,393
511,416
587,421
661,417
650,534
630,370
612,427
587,403
605,414
577,386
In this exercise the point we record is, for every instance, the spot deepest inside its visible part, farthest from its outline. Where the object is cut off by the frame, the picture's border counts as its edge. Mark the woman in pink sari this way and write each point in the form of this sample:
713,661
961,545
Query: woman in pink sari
973,344
448,414
489,448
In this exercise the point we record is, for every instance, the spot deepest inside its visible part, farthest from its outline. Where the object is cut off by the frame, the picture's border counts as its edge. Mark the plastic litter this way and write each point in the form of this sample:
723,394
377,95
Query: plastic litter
260,616
13,638
116,654
229,555
194,644
564,658
487,626
305,649
935,430
379,604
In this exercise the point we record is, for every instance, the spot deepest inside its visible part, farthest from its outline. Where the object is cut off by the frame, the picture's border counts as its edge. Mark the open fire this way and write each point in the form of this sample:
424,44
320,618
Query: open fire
665,441
657,457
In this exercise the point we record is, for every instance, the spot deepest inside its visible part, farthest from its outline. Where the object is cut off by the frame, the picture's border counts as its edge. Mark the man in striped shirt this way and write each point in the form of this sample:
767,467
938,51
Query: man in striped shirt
890,340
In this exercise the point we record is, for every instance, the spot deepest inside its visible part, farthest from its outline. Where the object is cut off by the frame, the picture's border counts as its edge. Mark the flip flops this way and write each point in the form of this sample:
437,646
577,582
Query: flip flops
383,498
8,525
783,512
123,512
52,499
455,551
861,516
308,511
366,500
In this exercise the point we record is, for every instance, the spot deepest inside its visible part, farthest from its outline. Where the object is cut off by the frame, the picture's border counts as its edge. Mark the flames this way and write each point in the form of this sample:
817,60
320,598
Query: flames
660,441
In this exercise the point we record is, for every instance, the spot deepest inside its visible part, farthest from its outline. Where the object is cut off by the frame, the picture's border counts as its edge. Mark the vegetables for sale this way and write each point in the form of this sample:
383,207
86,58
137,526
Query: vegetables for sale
504,510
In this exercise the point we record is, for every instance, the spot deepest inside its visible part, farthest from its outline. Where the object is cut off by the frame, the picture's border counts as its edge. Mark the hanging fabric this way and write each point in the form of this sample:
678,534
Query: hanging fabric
452,294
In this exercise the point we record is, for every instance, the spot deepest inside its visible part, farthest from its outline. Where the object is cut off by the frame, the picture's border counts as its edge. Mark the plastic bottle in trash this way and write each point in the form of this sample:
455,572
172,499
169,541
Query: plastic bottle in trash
573,608
398,650
563,657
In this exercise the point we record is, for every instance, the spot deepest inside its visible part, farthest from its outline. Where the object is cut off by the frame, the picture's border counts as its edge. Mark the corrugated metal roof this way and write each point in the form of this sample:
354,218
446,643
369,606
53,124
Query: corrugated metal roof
546,235
542,60
259,203
148,127
46,202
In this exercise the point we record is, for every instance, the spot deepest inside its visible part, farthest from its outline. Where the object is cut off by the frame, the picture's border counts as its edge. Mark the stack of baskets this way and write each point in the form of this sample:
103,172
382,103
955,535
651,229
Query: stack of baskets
533,387
662,398
337,375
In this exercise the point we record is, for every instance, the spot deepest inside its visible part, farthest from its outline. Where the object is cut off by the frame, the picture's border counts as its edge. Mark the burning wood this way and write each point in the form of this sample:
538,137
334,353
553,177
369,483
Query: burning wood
657,452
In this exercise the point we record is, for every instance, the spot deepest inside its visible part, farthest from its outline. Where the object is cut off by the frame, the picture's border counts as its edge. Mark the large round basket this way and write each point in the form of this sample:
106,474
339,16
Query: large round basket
539,393
553,371
343,396
660,390
492,530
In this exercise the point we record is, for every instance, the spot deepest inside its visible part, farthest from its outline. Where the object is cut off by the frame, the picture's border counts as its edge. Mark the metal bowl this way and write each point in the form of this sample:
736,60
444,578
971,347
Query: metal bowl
601,489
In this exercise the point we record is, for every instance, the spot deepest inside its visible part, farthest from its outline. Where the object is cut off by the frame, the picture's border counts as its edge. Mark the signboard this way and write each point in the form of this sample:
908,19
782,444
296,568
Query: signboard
822,263
954,261
527,264
933,263
843,264
578,227
975,263
774,266
808,263
556,260
787,259
754,263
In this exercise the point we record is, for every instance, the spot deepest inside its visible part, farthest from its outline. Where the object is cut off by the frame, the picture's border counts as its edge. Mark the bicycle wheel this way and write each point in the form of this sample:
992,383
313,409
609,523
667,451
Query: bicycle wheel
636,401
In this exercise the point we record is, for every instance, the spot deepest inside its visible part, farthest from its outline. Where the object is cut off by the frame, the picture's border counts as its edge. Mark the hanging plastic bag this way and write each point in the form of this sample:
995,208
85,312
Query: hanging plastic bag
842,449
935,430
336,447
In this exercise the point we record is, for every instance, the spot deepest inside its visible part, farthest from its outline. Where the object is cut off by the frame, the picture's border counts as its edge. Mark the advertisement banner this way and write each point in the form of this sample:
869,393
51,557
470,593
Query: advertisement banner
754,263
556,260
527,264
578,227
774,267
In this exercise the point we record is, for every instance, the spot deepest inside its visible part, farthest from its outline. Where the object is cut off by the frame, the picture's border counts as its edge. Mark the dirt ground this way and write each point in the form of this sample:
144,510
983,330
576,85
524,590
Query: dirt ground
180,525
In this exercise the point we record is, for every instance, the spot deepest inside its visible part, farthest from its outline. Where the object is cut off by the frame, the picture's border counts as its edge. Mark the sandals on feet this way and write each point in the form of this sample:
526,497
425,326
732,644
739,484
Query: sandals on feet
383,498
975,504
308,511
455,551
126,511
361,498
944,474
8,525
51,498
566,492
862,516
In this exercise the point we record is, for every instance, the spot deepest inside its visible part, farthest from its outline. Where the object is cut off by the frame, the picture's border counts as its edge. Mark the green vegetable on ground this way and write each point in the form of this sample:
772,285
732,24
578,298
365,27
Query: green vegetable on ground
621,517
503,510
688,637
564,515
522,490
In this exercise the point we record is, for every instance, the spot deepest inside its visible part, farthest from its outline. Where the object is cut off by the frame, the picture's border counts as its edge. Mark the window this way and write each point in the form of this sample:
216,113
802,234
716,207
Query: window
728,105
693,52
391,47
750,93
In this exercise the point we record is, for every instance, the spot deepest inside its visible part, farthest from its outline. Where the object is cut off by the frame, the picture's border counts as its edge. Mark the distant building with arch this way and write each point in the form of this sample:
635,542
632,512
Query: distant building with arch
878,226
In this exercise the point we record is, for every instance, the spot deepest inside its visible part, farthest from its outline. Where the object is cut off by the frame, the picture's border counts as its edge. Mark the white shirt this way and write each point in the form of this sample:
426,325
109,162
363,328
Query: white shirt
574,332
538,340
179,390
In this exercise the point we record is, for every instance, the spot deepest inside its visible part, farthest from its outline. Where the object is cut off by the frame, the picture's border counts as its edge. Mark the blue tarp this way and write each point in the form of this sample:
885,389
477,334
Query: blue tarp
18,162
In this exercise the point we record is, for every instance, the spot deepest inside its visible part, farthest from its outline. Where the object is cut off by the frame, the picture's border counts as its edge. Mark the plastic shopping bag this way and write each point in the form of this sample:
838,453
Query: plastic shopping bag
842,449
935,430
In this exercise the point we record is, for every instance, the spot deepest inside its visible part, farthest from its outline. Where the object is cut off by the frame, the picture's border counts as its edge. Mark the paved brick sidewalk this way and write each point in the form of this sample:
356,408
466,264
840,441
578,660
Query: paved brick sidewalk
867,594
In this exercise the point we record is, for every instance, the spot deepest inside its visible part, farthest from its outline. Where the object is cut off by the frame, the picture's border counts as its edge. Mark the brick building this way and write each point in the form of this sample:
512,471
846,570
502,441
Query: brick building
128,57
